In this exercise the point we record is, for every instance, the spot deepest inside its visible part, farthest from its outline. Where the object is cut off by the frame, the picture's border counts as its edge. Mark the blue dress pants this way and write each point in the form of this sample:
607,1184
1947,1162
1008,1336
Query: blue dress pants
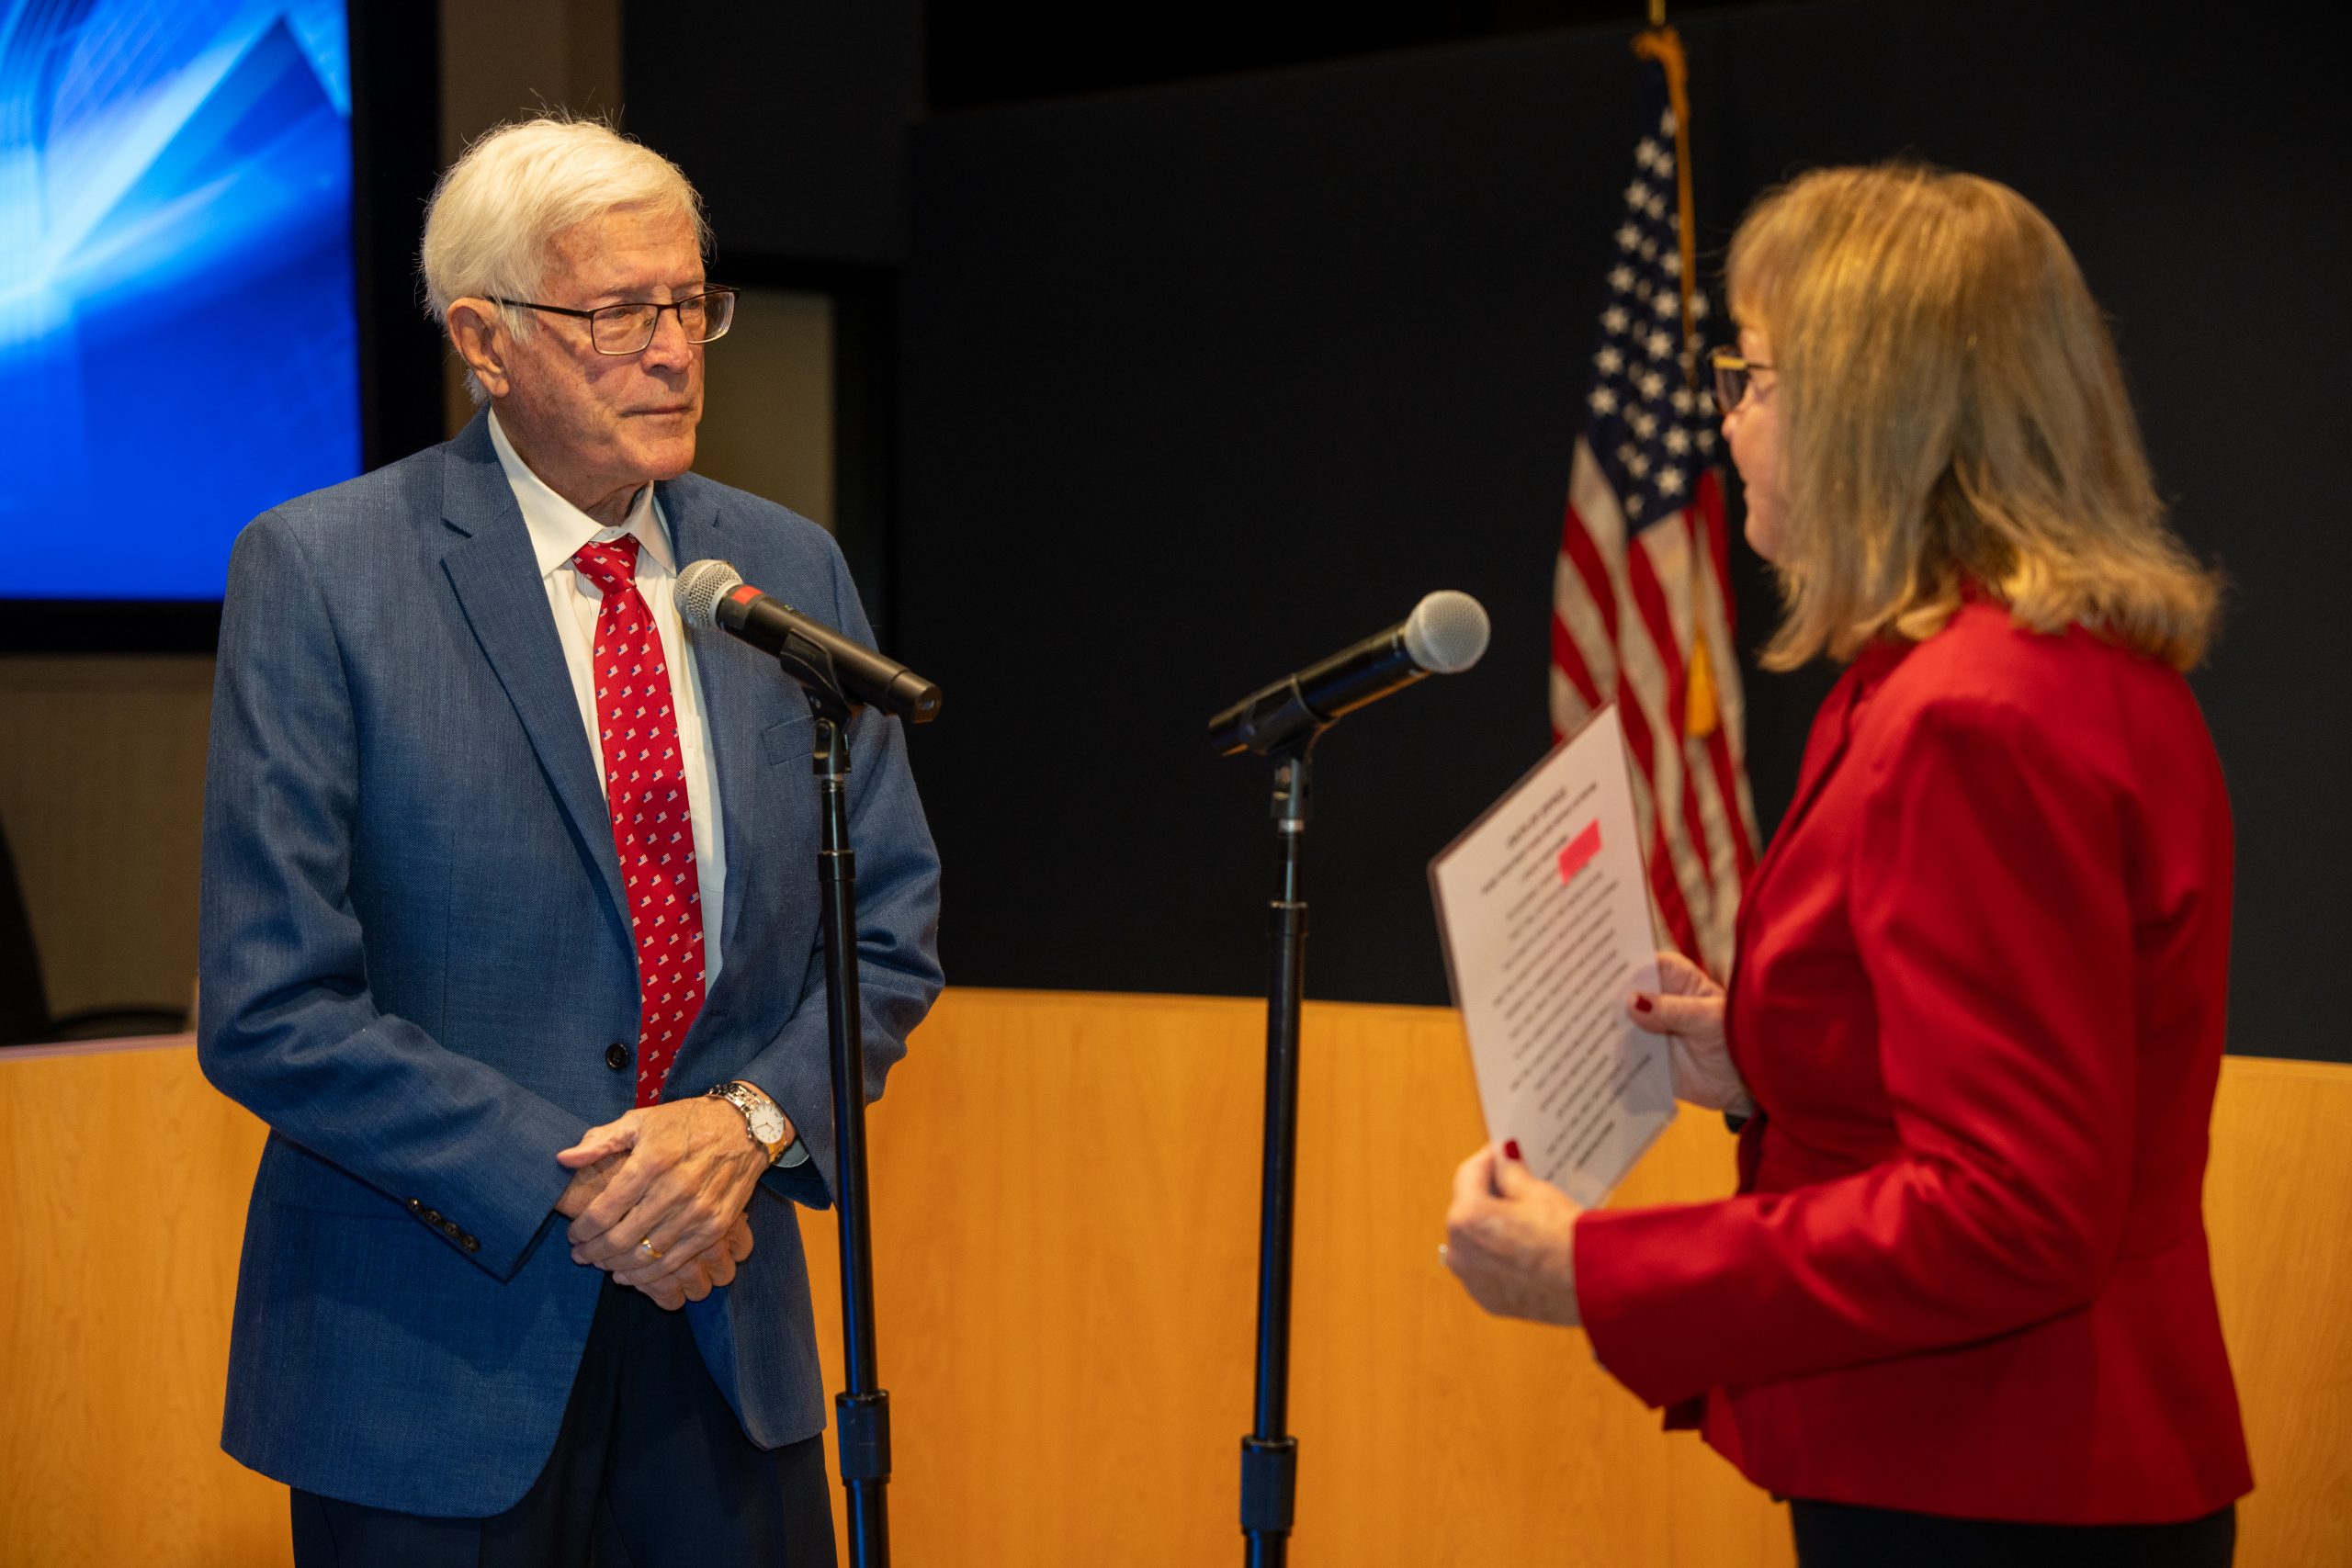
651,1470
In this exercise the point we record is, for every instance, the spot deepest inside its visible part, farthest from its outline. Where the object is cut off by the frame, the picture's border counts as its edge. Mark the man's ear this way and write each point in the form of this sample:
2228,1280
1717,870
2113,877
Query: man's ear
479,335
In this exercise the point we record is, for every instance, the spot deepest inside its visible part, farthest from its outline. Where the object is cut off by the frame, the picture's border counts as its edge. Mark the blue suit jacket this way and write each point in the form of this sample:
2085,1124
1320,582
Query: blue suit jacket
416,952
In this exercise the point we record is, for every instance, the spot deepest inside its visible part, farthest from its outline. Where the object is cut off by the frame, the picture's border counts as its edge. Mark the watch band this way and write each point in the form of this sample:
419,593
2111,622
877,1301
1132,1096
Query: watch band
751,1102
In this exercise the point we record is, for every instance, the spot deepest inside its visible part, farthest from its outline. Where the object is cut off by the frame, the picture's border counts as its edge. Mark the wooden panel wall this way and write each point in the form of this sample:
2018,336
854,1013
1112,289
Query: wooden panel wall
1066,1212
128,1177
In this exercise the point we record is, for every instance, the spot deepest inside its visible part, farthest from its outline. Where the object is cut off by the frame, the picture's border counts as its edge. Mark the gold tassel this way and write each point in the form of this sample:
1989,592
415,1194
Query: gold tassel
1702,715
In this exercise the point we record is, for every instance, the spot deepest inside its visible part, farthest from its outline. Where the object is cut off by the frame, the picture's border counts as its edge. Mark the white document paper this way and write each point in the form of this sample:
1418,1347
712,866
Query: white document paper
1544,910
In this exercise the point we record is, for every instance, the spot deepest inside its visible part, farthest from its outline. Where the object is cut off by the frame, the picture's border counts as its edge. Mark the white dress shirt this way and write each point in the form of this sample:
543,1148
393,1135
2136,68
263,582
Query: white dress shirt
558,530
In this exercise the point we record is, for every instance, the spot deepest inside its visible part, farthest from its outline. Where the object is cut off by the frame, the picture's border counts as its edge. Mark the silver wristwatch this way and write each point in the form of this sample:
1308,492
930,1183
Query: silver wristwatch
762,1118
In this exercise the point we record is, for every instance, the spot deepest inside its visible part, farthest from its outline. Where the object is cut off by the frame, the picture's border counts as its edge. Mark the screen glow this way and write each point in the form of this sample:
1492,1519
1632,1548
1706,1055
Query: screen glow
178,342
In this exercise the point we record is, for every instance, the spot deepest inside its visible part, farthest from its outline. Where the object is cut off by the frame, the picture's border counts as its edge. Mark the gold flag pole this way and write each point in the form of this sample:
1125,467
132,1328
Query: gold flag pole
1664,45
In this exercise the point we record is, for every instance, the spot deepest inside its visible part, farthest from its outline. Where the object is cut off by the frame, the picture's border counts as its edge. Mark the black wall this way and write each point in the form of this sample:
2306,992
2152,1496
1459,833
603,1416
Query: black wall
791,119
1202,382
396,161
793,122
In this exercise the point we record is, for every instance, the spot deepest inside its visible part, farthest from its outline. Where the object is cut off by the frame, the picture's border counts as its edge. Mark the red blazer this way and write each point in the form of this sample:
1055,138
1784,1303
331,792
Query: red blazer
1979,1000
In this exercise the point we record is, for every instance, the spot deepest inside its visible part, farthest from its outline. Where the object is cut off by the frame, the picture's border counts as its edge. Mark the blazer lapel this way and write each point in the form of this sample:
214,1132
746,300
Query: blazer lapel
490,565
1833,730
736,682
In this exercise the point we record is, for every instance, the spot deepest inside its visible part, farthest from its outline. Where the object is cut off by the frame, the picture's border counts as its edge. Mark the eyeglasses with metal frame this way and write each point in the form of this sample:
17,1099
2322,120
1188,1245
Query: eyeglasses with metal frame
1734,376
628,329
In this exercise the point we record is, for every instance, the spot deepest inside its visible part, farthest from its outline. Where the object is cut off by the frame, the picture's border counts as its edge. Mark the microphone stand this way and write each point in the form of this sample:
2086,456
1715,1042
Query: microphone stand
1268,1454
1279,722
862,1411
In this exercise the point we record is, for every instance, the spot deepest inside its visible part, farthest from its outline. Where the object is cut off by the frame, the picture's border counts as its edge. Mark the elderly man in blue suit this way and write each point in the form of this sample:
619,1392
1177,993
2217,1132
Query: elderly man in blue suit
510,933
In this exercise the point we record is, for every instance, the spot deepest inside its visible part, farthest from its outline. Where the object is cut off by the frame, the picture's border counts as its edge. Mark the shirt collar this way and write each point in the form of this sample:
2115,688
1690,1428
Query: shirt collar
558,528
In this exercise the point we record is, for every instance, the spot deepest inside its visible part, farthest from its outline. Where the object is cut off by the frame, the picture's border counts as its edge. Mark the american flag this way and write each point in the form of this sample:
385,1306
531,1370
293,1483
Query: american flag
1641,611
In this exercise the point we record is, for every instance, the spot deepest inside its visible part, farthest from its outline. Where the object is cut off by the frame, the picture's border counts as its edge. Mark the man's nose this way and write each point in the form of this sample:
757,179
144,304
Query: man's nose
669,345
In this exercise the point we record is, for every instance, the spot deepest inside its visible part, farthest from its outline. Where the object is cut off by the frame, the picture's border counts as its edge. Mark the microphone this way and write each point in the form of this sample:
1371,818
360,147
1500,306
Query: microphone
1445,634
711,594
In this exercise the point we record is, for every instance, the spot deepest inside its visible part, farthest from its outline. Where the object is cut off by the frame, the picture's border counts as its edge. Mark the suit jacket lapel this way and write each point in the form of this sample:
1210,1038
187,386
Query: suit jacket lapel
735,682
490,563
1834,730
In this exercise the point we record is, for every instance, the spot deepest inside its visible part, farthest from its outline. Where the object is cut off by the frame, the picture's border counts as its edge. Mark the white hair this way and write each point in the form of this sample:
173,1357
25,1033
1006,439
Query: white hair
488,227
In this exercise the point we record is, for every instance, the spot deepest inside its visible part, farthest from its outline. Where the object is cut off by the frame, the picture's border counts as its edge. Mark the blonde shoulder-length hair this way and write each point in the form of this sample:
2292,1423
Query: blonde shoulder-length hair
1953,421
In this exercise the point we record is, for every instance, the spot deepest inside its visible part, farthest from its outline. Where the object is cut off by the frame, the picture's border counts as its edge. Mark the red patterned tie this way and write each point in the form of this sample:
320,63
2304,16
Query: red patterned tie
645,785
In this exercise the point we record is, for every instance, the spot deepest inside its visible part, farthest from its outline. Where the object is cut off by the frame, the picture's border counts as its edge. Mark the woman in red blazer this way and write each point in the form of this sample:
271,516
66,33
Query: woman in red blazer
1959,1309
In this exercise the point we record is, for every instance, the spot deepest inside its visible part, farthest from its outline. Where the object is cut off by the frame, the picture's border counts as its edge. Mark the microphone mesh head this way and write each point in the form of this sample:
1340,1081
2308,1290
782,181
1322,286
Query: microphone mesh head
1447,632
700,588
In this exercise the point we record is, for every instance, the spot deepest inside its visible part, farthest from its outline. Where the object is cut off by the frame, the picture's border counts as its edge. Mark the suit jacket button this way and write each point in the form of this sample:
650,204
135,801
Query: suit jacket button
616,1057
414,1204
469,1244
432,1217
449,1229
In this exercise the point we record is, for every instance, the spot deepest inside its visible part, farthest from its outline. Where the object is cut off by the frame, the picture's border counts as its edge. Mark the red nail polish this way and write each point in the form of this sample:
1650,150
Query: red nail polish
1641,1004
1510,1149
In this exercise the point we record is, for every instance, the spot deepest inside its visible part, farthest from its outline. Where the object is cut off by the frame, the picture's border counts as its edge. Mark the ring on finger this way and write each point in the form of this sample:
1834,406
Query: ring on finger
647,1247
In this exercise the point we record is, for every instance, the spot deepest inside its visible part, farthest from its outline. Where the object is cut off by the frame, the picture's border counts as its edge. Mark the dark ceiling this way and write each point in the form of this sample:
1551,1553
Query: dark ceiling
995,51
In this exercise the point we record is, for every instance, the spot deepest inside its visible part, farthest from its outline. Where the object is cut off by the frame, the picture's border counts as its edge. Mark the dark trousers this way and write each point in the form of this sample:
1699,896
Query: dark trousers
651,1470
1834,1535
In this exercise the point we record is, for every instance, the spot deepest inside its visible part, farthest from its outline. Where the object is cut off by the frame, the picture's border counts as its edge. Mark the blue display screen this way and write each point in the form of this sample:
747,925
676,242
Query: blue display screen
179,339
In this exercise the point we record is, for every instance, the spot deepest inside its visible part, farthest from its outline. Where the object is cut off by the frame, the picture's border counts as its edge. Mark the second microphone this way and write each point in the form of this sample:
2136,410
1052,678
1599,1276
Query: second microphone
1445,634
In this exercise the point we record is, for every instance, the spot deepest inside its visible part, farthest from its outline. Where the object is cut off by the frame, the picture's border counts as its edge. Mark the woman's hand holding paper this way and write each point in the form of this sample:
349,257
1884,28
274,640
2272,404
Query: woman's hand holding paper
1510,1239
1687,1009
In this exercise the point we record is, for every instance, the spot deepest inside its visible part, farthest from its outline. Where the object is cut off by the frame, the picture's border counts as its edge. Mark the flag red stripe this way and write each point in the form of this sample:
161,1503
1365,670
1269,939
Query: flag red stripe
1667,888
1664,886
1576,543
1569,659
1694,827
1661,868
1637,729
1650,600
1641,578
1728,785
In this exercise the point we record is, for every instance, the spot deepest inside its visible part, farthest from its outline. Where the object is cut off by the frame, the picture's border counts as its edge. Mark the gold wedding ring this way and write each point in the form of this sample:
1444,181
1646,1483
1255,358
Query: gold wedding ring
647,1247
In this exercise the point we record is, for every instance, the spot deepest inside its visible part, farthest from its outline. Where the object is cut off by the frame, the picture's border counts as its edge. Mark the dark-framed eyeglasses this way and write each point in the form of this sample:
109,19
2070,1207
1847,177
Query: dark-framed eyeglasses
625,329
1734,376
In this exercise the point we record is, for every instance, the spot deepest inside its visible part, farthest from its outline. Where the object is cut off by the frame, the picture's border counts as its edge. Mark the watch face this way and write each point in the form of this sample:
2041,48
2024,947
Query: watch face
767,1123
